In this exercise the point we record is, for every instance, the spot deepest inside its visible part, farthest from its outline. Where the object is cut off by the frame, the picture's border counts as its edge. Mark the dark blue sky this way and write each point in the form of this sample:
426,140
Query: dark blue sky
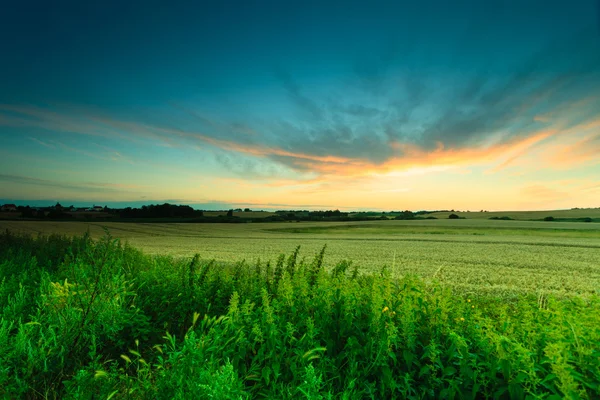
149,52
260,87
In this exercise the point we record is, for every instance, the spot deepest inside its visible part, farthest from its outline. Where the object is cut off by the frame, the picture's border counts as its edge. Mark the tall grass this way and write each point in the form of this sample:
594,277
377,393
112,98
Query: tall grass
97,320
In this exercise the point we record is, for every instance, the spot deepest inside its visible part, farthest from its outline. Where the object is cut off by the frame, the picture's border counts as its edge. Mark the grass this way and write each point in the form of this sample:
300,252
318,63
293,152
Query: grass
506,258
90,319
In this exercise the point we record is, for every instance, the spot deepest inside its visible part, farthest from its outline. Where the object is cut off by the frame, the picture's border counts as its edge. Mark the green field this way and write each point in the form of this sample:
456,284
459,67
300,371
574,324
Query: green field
503,312
479,255
526,215
425,309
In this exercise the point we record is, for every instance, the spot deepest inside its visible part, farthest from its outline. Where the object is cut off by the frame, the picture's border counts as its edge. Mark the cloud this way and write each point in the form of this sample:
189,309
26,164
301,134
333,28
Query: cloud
382,119
464,113
86,187
294,91
115,185
40,142
401,155
541,192
582,151
359,110
591,188
248,167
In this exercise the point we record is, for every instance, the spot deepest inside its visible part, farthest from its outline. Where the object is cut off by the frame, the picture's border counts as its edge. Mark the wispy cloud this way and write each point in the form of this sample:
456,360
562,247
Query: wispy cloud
400,155
115,185
585,150
40,142
543,193
392,120
85,187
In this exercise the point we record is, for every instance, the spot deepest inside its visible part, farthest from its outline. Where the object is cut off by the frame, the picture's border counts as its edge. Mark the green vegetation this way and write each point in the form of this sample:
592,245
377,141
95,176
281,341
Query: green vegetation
171,213
502,258
575,214
97,319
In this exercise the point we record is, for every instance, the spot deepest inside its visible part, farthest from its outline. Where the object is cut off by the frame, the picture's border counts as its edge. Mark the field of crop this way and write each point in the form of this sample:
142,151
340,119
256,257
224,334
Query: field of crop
93,319
526,215
474,255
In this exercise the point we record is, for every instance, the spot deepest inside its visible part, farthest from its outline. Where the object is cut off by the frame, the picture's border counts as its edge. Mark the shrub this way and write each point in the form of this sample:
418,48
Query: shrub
101,320
453,216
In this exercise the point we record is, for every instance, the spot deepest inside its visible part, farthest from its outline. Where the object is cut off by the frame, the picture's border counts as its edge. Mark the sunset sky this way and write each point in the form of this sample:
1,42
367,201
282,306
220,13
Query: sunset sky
299,104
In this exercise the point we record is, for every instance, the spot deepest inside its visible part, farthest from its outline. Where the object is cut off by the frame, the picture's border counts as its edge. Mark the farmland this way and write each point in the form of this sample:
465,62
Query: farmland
466,308
474,255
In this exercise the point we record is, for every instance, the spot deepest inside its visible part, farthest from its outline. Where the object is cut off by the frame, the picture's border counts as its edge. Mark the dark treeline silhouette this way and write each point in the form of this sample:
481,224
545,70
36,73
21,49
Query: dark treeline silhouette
305,215
160,211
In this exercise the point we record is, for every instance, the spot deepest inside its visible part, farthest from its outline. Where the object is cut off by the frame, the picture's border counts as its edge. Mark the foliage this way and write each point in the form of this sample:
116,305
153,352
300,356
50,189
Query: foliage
160,211
405,215
97,319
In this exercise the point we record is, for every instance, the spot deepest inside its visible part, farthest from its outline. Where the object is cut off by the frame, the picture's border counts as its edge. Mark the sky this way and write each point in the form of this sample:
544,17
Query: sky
383,105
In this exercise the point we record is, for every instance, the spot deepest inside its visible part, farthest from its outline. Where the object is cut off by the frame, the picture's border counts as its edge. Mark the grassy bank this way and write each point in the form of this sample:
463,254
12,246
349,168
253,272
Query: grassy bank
96,319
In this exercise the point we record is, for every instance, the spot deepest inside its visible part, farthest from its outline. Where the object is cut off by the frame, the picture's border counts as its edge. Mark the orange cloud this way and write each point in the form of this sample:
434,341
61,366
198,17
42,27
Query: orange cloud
567,109
405,155
582,151
542,192
408,155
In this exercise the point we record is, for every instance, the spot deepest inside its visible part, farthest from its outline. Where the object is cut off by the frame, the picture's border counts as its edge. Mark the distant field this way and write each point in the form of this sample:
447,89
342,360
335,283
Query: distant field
473,255
241,214
526,215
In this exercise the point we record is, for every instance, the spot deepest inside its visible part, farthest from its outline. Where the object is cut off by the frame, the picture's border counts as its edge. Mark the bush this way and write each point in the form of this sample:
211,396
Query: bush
549,219
453,216
96,319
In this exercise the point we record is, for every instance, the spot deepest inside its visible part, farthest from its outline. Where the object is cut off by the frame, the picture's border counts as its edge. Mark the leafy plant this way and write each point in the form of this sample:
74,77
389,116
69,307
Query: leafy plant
97,319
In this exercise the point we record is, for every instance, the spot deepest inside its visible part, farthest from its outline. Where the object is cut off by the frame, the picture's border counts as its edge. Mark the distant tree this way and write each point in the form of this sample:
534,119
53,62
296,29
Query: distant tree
247,210
230,213
549,219
27,212
453,216
405,215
